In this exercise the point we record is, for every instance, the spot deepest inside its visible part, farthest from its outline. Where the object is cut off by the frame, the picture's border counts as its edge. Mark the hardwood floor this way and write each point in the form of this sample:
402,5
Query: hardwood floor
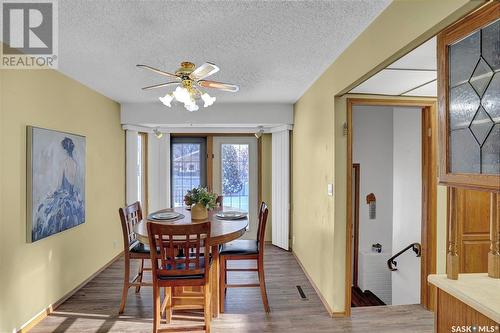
94,309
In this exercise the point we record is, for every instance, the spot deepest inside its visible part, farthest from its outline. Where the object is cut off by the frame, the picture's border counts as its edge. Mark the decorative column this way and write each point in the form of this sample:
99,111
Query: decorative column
131,166
280,210
494,254
452,263
158,171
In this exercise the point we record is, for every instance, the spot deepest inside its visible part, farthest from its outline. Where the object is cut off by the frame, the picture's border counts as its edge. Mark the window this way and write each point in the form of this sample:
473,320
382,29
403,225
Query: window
188,166
235,180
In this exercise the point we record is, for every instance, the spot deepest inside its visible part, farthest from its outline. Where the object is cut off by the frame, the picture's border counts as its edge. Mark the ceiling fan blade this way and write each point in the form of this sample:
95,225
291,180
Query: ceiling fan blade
159,85
157,71
203,71
218,85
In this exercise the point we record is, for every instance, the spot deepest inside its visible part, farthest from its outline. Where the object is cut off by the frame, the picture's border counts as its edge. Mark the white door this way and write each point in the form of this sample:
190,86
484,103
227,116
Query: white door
235,176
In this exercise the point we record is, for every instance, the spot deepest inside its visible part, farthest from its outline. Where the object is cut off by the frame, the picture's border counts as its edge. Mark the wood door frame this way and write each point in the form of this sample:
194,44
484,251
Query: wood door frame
356,168
429,192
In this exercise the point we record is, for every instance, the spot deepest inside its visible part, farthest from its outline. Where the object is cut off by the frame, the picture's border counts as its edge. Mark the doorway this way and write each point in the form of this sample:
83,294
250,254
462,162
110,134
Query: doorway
426,204
235,175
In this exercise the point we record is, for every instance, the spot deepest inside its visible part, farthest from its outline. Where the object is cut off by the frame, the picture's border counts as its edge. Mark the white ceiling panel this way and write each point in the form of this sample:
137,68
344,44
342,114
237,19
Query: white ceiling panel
423,57
394,82
427,90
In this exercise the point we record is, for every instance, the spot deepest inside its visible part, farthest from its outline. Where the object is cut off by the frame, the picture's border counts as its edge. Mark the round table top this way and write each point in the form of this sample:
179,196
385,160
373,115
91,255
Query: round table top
222,231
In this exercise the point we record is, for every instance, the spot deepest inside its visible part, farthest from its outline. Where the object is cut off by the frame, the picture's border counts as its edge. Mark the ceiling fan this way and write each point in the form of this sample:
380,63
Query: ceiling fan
189,79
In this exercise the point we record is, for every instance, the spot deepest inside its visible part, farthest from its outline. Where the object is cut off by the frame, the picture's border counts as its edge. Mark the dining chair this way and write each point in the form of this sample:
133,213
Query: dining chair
219,201
133,249
172,270
242,249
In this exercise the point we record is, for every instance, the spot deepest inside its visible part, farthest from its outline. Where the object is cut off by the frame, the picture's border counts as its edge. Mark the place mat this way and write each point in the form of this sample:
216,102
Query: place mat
231,215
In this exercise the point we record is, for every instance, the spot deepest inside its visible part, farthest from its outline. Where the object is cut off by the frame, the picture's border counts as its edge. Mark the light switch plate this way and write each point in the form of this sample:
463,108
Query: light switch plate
330,189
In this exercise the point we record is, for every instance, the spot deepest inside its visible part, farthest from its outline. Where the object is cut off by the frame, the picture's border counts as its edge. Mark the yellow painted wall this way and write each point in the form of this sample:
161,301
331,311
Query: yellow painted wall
38,274
266,191
319,150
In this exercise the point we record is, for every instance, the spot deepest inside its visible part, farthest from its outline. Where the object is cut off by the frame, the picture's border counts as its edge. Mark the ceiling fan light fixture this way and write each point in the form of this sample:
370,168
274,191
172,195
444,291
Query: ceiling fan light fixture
182,95
189,79
209,100
167,100
192,107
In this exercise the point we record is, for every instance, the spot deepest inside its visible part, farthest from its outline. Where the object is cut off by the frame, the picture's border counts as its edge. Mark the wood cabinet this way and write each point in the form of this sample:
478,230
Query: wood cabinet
452,313
473,236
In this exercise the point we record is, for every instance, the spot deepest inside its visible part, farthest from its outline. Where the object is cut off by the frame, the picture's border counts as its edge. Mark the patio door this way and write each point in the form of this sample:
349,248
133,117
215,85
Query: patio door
235,176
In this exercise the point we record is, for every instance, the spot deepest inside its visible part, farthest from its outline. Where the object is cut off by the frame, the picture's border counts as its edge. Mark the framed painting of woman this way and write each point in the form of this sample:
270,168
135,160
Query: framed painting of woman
55,182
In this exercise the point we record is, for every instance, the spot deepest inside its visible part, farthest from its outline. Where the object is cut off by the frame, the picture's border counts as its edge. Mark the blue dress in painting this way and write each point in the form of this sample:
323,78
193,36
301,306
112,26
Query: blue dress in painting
64,208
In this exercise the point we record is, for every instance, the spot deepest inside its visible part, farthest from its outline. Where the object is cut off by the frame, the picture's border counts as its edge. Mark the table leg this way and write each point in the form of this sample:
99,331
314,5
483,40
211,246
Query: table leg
214,281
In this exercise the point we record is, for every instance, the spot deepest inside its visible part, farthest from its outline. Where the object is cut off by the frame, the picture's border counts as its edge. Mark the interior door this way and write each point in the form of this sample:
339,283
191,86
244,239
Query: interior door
235,176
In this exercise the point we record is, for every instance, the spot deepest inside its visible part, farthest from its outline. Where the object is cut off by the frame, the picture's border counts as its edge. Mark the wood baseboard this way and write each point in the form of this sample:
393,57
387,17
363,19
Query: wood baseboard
325,304
26,327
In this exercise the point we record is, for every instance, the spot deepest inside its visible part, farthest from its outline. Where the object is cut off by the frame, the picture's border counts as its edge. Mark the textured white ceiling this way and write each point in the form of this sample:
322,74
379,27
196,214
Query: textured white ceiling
273,49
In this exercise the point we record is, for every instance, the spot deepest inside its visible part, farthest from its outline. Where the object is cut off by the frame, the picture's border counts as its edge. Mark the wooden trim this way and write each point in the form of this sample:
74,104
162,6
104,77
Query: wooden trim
316,289
462,28
348,239
494,254
357,171
429,194
26,327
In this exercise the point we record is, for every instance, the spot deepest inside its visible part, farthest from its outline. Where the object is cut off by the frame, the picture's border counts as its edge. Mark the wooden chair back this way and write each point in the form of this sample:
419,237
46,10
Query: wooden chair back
192,239
219,201
130,216
261,229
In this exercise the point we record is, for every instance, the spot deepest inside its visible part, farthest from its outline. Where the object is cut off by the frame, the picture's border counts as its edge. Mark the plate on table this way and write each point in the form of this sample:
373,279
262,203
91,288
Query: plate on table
231,215
163,216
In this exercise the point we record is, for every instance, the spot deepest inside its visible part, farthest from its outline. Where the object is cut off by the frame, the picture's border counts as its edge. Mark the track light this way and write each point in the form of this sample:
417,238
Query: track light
259,132
157,132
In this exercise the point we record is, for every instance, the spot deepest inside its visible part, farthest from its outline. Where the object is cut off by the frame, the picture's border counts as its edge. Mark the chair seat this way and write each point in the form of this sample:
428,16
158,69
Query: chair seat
240,247
140,248
183,266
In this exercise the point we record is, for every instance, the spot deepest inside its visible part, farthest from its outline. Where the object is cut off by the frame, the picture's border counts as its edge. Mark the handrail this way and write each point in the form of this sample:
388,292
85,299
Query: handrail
416,247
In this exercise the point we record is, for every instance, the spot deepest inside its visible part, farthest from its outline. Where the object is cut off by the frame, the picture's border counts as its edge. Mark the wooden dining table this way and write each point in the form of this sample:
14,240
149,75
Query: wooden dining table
222,231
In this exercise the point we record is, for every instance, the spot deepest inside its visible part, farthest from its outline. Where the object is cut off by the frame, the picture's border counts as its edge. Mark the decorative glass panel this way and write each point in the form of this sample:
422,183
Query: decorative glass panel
491,45
474,102
464,152
464,103
481,126
491,99
490,153
481,77
463,57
